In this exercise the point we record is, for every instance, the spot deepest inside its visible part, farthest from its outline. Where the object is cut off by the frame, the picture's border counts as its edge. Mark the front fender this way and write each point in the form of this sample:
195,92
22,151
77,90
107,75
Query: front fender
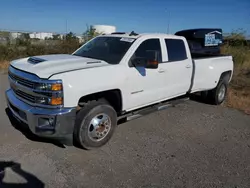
77,84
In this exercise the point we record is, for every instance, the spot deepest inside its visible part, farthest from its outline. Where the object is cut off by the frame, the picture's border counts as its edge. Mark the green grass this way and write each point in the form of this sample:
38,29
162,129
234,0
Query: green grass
15,51
239,88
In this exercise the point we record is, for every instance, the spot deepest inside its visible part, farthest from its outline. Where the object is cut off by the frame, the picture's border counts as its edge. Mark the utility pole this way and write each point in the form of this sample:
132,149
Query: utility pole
87,33
66,26
168,27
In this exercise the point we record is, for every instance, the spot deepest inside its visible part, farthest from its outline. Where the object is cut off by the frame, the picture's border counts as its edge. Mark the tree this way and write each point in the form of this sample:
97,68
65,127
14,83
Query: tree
238,34
236,38
90,33
56,37
25,36
4,34
235,44
70,36
23,39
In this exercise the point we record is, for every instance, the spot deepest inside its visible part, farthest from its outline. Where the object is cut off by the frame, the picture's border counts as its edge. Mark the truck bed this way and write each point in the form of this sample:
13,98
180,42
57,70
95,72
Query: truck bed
206,71
205,56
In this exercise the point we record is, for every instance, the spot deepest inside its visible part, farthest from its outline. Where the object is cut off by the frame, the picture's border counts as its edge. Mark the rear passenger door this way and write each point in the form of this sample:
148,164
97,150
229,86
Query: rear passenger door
177,66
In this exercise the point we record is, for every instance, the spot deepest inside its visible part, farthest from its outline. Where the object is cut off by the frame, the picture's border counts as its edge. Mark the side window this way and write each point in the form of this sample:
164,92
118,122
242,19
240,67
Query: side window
176,50
147,45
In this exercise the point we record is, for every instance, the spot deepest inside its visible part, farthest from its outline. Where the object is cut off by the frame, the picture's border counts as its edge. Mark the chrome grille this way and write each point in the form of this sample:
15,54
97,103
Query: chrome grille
26,87
21,81
25,96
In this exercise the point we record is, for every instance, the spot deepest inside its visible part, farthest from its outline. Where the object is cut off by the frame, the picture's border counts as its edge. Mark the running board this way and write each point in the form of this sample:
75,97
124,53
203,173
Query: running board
148,110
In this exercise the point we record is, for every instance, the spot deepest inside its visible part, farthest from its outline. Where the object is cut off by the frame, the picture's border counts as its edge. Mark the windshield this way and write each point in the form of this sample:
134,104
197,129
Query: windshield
109,49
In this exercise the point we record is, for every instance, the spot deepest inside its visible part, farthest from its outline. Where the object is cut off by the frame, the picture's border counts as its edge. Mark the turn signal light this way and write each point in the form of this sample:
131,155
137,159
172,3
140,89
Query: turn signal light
56,87
56,101
153,62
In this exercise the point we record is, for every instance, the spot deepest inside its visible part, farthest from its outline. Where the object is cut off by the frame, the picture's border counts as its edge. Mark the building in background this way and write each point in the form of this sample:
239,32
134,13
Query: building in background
18,34
104,29
80,38
15,35
41,35
61,36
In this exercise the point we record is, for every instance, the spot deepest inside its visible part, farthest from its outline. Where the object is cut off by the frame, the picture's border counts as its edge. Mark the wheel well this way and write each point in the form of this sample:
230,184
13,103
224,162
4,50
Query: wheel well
226,75
112,96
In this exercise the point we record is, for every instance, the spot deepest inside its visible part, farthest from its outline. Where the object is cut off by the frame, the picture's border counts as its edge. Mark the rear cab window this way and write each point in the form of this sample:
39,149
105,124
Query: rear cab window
176,50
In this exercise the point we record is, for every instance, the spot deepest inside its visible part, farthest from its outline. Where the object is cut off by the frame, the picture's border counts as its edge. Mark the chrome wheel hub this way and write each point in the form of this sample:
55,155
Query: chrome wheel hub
222,93
99,127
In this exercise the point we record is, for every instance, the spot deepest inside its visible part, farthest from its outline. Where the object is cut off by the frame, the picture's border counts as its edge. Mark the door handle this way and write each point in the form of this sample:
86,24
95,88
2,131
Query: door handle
161,70
188,66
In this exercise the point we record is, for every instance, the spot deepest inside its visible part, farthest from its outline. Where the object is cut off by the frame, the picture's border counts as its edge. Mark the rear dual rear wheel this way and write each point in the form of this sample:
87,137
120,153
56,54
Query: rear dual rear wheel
217,95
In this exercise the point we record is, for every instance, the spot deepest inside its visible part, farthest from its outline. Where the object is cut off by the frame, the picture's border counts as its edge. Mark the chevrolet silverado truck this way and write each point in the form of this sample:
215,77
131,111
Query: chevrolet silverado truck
81,96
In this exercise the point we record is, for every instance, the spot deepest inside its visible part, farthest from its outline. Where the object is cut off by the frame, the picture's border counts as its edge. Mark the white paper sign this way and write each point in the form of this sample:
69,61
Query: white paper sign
127,39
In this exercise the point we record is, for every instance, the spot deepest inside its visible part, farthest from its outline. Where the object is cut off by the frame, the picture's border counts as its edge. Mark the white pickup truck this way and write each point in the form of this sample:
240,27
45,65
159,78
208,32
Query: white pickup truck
81,96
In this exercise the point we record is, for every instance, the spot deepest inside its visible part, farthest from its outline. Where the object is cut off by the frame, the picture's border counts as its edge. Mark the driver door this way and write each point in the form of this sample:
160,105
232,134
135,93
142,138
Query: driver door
146,86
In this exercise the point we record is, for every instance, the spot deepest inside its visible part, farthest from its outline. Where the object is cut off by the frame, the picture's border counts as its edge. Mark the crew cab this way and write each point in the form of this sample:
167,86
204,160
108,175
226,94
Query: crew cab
81,96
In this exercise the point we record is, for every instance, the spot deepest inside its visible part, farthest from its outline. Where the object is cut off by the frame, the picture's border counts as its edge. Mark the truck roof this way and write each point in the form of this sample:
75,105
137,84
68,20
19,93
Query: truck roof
148,35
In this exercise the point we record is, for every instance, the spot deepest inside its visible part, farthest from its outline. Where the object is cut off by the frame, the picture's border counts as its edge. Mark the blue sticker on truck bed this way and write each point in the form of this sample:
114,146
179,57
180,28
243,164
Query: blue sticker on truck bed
210,40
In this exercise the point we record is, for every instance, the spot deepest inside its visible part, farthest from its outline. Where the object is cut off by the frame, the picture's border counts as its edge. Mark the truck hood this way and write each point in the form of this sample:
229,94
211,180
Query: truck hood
46,65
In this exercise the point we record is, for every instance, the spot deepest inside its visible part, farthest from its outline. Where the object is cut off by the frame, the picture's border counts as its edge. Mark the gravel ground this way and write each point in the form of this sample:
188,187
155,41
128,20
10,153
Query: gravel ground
191,145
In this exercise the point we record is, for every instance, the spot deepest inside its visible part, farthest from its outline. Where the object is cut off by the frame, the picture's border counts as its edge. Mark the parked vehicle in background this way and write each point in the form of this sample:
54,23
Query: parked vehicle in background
81,96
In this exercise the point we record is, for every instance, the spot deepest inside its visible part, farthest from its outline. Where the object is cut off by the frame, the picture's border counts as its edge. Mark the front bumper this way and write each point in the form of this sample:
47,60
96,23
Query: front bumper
44,122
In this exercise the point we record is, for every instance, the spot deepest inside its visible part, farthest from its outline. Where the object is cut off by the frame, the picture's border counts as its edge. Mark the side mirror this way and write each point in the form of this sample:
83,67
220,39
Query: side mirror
150,61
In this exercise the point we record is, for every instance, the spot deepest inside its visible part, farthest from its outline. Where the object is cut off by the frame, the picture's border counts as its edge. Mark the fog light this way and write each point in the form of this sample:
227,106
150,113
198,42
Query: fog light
46,122
46,125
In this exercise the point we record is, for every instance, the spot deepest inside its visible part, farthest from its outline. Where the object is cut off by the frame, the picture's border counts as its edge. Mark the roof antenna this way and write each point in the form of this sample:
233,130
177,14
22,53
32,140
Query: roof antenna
133,34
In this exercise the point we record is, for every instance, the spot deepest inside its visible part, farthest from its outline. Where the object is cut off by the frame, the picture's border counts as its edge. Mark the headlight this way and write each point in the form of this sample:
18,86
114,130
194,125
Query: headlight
49,86
50,93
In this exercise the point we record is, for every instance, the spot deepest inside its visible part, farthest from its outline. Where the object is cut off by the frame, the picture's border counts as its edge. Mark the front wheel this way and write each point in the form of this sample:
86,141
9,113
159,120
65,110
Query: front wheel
95,124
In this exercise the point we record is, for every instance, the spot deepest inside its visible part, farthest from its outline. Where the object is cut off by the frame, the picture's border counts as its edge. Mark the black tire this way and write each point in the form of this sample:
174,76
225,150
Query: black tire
215,97
83,121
